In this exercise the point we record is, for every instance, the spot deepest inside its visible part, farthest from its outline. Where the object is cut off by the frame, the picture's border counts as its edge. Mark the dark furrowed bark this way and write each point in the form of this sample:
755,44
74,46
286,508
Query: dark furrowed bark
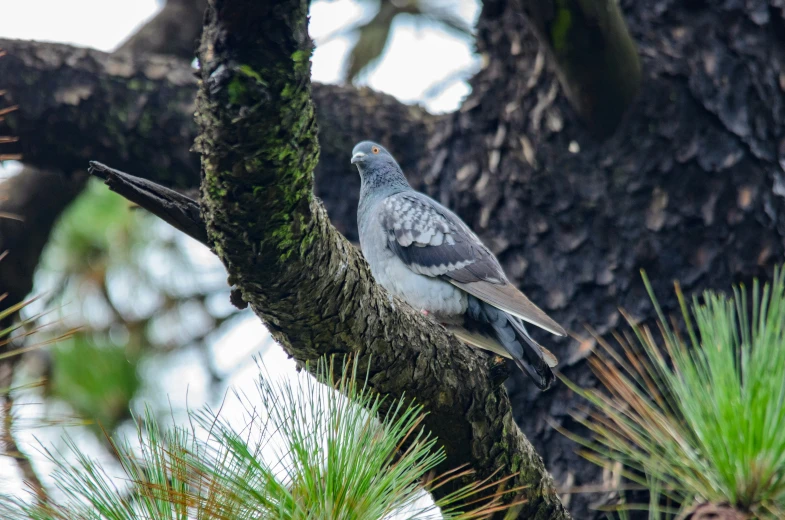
309,285
689,188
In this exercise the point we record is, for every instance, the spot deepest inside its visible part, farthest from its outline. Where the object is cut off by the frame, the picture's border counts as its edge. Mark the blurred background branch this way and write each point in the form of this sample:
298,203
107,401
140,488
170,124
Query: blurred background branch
372,36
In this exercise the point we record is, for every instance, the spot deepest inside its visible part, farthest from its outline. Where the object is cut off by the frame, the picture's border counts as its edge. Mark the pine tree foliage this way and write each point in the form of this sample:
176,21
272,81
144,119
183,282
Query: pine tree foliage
305,450
702,419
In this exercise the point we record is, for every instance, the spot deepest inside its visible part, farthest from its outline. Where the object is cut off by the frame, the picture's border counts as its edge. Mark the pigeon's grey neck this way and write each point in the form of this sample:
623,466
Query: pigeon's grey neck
379,182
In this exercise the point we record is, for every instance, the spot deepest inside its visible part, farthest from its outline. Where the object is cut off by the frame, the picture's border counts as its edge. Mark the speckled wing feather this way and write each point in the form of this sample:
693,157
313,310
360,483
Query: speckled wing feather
432,241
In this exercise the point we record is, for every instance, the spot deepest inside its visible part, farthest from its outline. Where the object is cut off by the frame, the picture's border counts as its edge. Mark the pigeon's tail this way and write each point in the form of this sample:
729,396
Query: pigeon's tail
492,329
536,361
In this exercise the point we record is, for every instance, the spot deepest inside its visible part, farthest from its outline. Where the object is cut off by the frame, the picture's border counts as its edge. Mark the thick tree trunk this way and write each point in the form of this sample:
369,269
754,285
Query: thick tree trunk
690,187
594,56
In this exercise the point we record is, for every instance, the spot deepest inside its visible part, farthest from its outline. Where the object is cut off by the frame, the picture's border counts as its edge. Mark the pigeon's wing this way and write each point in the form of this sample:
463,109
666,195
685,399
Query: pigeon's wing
432,241
508,298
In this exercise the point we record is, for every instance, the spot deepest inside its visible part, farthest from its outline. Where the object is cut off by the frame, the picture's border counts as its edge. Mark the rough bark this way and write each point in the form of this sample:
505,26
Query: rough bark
308,284
690,187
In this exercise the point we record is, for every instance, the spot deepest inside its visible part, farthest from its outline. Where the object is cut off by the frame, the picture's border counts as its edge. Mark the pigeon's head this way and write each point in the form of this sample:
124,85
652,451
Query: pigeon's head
377,167
368,153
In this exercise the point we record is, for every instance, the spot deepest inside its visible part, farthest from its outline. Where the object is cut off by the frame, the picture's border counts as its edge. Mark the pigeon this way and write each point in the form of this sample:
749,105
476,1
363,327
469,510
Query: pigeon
426,255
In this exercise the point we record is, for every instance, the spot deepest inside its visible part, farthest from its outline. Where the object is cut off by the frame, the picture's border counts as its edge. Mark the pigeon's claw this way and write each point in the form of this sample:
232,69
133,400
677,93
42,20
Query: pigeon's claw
428,313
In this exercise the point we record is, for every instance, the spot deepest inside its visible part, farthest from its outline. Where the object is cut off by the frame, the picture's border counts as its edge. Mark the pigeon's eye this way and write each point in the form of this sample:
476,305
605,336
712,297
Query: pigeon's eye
375,149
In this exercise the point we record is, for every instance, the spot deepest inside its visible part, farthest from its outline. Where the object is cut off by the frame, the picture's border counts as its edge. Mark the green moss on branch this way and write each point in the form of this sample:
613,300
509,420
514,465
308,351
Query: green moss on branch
258,130
304,279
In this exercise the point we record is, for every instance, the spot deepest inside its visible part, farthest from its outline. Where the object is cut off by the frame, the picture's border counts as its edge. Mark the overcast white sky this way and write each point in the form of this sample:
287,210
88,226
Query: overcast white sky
418,57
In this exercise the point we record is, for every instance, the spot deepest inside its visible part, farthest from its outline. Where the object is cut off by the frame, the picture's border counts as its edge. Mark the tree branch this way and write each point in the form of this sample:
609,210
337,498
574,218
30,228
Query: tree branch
307,283
174,31
403,341
170,206
124,110
595,57
136,113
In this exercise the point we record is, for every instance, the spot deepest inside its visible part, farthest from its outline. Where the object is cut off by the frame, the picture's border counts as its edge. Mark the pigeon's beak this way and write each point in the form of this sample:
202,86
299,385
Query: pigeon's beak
357,157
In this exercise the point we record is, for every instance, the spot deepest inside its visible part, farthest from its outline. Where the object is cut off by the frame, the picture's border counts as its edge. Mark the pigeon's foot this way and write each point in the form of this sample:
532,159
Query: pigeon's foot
426,313
499,370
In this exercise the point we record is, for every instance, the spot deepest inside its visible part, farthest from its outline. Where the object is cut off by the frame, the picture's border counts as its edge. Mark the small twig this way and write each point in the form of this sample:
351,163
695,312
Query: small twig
600,488
179,211
10,156
11,216
8,110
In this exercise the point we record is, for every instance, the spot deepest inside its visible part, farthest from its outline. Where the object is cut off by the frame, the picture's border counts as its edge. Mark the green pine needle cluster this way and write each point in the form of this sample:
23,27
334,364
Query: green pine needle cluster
306,451
702,420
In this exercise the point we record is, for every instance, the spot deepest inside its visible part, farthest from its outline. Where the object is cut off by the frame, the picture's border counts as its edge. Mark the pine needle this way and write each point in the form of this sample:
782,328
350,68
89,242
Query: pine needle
701,418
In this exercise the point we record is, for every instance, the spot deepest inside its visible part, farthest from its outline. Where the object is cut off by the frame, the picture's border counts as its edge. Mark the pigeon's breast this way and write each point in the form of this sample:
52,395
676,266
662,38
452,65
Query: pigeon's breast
421,292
